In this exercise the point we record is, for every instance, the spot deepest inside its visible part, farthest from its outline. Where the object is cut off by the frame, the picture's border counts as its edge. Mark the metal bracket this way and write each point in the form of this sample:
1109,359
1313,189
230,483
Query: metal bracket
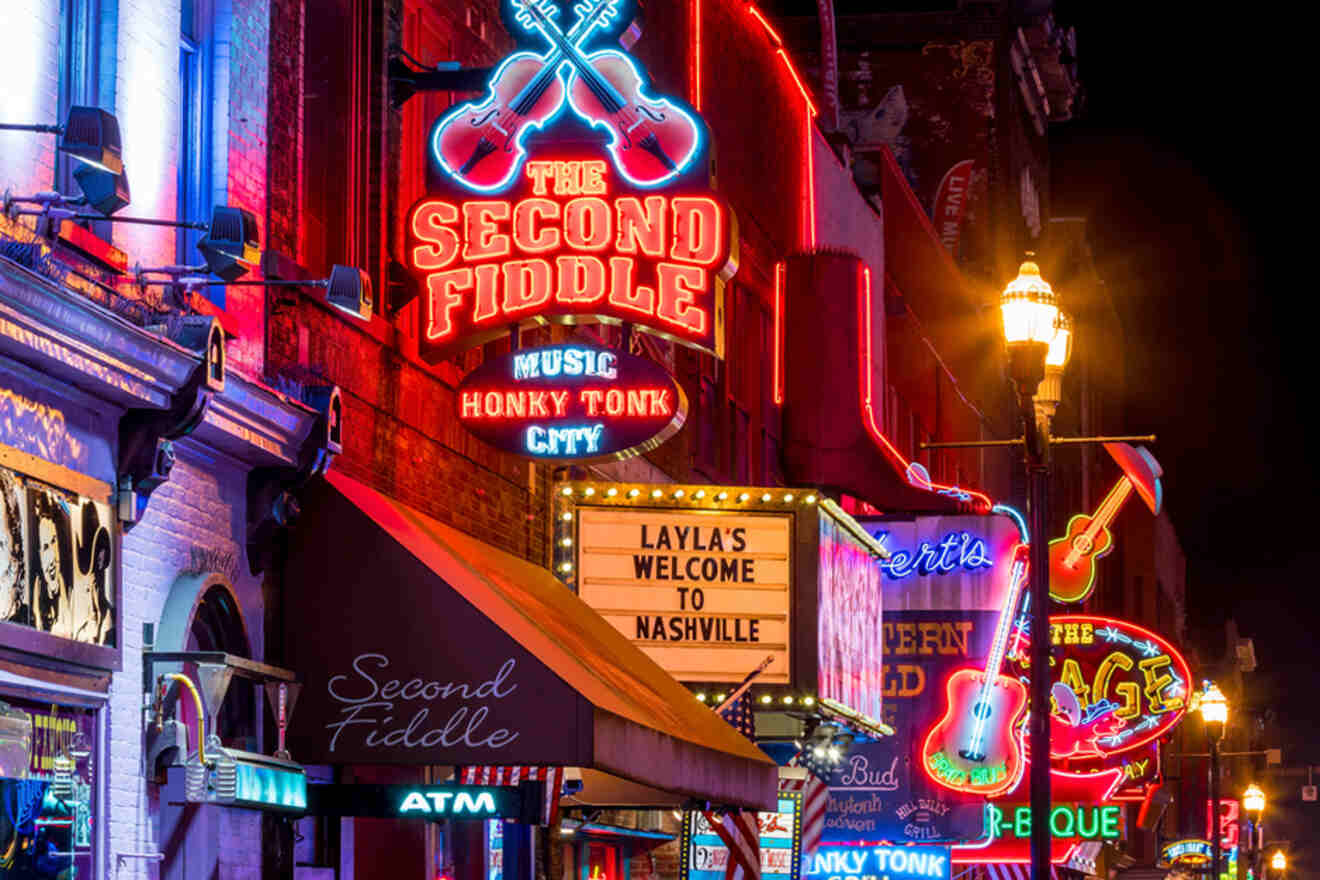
146,448
406,82
271,502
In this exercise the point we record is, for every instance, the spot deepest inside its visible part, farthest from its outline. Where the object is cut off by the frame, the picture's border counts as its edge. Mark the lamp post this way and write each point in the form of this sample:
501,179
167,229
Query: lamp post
1214,712
1253,801
1030,312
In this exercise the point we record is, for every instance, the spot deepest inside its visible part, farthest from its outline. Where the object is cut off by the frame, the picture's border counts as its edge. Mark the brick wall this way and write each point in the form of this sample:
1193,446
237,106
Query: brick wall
32,51
202,505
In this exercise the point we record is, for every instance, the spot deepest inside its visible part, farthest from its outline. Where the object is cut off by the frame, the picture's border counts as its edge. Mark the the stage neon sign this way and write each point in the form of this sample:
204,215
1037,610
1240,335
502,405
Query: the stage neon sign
1118,687
956,550
567,247
571,402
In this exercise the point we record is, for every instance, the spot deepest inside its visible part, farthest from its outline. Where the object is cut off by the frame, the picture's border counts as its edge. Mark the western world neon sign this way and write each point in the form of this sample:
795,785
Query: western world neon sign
571,401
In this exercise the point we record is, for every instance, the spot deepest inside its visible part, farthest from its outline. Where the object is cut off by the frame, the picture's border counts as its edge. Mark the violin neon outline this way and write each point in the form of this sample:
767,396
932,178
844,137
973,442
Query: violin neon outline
589,20
583,68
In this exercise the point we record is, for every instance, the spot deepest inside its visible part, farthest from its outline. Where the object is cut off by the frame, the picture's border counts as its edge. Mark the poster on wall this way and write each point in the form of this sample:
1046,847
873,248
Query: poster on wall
945,585
704,856
58,571
47,781
706,594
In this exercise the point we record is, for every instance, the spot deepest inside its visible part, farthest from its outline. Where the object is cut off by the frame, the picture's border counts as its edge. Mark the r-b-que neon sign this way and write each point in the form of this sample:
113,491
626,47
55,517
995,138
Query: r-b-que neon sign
536,217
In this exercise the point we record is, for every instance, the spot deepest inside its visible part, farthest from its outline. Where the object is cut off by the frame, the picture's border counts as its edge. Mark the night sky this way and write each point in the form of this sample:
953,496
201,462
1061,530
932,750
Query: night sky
1189,162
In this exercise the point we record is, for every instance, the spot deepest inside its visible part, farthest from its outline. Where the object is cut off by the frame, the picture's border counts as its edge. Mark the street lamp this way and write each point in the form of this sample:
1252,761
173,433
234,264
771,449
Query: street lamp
1214,712
1030,311
1253,801
1279,863
1056,360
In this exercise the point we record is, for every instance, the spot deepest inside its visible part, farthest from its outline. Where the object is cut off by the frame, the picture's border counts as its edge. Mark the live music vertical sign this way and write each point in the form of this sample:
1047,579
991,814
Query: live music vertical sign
702,592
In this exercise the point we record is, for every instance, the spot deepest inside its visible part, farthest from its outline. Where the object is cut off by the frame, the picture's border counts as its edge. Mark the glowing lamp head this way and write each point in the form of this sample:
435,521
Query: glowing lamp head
1279,862
1214,709
1061,345
1253,799
1030,312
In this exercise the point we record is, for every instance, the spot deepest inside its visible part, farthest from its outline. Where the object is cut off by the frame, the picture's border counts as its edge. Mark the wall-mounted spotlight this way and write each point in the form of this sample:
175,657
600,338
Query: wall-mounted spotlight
230,247
89,136
347,289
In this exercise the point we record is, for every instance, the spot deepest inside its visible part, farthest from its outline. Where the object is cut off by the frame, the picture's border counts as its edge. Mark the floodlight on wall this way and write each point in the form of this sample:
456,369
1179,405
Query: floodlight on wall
230,247
90,136
347,289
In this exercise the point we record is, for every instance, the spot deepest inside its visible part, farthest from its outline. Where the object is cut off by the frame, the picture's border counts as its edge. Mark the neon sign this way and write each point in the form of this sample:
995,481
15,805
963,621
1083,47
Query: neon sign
875,862
445,803
566,246
1082,821
1118,687
652,138
1190,851
956,550
569,227
571,402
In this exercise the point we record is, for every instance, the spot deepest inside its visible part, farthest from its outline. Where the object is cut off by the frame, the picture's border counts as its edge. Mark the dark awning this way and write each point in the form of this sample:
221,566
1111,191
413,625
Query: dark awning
418,644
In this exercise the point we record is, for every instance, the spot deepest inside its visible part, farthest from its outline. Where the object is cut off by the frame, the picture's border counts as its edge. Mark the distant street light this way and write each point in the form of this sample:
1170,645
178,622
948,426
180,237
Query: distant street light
1279,862
1253,801
1214,712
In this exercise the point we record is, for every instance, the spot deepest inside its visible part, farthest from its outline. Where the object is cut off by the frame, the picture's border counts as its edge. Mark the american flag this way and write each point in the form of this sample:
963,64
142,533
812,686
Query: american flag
741,835
553,777
739,714
815,800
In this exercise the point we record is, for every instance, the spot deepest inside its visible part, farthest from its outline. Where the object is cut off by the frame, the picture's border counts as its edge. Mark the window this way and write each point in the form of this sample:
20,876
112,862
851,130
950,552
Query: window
194,169
88,45
217,626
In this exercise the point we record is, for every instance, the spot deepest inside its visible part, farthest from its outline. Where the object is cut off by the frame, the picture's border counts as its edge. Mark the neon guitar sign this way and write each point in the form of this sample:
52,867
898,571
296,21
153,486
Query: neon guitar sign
483,145
976,747
1073,557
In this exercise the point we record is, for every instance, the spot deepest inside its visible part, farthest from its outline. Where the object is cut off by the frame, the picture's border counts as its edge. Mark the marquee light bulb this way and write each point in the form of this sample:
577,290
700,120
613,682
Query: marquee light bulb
567,517
566,567
633,493
788,498
566,542
810,499
701,697
723,496
808,701
568,490
699,494
611,491
719,698
656,493
765,497
765,699
679,493
589,491
788,699
743,496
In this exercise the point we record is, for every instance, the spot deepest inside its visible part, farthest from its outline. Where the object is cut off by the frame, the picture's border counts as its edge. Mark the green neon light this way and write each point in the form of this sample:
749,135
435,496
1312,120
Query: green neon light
270,787
1087,822
447,803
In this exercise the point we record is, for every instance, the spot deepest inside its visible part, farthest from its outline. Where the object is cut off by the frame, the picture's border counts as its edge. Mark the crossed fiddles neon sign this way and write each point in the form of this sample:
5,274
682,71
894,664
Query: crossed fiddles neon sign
651,139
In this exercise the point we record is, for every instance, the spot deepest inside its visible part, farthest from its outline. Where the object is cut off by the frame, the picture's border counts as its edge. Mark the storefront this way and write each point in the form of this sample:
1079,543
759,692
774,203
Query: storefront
423,650
136,475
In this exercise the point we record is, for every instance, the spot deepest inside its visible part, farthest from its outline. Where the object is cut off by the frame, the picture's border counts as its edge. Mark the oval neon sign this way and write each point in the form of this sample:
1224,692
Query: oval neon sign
1118,686
571,402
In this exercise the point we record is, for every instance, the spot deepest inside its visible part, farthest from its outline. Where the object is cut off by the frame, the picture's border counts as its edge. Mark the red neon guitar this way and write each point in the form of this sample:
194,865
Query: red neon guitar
481,144
976,746
651,139
1073,557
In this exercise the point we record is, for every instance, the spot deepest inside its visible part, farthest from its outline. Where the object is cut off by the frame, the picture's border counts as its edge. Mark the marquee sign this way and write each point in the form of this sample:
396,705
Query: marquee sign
1118,687
569,193
701,592
1189,851
571,402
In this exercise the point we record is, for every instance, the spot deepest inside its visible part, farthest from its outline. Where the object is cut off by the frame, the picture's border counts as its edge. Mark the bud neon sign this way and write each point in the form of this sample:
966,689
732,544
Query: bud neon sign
564,246
571,402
